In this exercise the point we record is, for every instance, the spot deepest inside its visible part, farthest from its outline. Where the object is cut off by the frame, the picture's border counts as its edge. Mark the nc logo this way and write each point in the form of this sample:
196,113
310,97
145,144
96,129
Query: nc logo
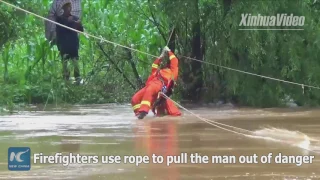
19,159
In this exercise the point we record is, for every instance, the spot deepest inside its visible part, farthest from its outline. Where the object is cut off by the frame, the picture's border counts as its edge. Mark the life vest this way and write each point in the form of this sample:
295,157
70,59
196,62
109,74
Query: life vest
166,77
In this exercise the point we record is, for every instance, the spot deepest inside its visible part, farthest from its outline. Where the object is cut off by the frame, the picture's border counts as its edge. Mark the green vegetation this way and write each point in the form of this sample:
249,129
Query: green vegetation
31,70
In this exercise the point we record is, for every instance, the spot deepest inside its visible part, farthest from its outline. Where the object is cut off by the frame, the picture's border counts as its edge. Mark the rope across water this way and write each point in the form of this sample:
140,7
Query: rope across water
107,41
243,132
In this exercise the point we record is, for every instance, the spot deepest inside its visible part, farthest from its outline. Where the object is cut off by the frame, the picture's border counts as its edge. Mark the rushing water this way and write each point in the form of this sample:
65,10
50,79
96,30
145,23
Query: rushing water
106,130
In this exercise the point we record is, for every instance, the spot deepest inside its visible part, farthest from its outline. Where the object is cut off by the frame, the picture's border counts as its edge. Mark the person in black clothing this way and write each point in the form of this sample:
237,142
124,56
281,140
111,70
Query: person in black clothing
68,41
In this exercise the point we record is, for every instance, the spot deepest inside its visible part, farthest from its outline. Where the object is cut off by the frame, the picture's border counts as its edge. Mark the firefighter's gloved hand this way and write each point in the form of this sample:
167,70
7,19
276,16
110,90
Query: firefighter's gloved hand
162,54
164,89
166,49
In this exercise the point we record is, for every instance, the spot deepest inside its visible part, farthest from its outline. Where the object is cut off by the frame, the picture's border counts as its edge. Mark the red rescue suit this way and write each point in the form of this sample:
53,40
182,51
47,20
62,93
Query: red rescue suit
144,98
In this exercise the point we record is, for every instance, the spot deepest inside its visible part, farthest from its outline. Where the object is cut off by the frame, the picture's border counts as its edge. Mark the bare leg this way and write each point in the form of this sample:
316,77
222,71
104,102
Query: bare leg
66,72
75,63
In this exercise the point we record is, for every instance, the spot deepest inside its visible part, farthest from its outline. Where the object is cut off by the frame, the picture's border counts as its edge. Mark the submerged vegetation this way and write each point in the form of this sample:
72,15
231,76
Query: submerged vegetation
208,30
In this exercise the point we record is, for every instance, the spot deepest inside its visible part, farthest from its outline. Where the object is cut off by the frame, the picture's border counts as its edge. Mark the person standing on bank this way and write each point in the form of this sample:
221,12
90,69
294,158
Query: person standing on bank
68,41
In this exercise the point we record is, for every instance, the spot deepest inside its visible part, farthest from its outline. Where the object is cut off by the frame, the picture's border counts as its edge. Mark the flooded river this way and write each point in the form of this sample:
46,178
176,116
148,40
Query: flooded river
112,130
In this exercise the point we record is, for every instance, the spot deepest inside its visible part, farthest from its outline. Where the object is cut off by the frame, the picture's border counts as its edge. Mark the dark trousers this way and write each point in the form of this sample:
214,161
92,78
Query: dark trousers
74,58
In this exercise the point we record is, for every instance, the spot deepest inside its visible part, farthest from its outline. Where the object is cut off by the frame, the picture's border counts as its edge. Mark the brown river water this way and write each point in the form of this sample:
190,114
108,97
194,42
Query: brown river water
112,130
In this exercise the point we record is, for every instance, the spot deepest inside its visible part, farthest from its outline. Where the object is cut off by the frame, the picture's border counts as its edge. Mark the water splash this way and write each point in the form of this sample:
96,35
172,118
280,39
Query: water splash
294,138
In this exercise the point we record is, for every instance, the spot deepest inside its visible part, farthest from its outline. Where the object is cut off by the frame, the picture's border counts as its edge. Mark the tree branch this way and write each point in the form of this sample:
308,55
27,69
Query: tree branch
134,69
116,67
156,23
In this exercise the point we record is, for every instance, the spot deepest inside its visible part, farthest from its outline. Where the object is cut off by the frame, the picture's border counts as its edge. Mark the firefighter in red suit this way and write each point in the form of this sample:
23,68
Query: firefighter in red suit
160,81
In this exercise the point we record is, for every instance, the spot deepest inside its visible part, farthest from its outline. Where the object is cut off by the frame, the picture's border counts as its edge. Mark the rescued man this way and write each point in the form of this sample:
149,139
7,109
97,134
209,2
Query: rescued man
68,41
160,80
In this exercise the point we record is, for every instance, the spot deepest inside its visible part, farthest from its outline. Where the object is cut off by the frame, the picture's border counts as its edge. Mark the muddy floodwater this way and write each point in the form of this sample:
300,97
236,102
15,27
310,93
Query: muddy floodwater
112,130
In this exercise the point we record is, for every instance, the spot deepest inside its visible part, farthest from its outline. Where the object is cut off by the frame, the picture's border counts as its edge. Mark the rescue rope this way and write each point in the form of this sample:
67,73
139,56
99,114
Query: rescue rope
168,41
218,125
211,122
116,44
